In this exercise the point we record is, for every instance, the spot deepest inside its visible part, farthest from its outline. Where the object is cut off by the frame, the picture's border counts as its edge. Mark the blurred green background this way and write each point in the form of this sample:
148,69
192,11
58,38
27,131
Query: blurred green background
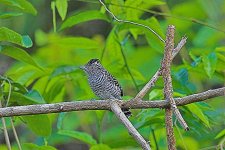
43,42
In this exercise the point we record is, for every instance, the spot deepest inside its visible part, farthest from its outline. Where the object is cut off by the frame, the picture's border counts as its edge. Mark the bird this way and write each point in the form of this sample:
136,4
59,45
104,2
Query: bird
102,83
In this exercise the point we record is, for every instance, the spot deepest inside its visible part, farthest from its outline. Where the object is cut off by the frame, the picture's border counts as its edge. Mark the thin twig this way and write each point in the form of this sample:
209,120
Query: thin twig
7,102
105,104
125,60
222,144
136,135
156,13
10,90
152,81
5,131
15,134
130,22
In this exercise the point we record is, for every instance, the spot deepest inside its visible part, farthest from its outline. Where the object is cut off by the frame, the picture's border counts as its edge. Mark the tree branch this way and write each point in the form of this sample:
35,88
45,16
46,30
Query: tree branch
121,116
105,104
169,129
168,87
152,81
131,22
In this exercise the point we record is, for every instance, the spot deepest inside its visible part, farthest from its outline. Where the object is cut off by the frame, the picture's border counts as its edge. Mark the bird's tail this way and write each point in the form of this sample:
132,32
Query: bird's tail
127,112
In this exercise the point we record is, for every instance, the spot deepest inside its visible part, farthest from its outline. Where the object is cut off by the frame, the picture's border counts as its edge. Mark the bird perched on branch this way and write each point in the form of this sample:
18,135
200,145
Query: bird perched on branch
102,83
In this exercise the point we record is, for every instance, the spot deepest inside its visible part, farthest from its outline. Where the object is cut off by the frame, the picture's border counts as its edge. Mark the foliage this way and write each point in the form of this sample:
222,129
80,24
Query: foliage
48,55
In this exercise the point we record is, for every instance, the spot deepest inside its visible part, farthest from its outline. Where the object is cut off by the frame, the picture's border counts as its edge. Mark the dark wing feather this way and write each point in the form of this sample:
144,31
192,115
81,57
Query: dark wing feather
116,83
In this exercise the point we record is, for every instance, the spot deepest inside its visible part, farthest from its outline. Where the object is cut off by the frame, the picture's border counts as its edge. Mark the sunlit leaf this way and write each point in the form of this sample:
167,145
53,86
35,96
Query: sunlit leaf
112,49
61,116
8,35
7,15
209,62
32,97
82,136
35,95
22,5
39,124
54,90
19,87
182,76
83,17
76,42
63,70
118,11
195,110
156,93
220,134
61,6
100,147
19,54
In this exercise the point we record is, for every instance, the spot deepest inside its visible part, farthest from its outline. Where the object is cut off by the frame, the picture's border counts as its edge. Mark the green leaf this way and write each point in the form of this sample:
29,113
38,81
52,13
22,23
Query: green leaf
132,14
76,43
35,95
117,11
19,87
31,146
182,76
53,15
22,5
39,124
113,49
7,122
82,136
8,35
83,17
63,70
32,97
61,116
61,6
54,90
209,62
19,54
195,110
220,134
100,147
137,75
7,15
156,93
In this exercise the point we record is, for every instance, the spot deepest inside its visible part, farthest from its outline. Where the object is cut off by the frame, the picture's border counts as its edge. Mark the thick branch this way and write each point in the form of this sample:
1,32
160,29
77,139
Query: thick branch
152,81
105,104
166,64
169,129
168,87
121,116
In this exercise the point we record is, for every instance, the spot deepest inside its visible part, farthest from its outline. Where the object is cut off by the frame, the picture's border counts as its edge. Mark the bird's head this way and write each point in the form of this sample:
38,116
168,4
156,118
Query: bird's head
92,66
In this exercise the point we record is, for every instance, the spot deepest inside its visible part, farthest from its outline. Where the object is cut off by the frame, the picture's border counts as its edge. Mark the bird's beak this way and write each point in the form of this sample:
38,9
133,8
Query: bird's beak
82,67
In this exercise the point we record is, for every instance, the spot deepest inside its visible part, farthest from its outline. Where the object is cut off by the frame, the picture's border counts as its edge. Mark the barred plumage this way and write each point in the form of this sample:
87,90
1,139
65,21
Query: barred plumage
103,84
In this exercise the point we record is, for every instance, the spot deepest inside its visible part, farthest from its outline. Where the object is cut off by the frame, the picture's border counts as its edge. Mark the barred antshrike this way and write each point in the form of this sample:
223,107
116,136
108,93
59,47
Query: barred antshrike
103,84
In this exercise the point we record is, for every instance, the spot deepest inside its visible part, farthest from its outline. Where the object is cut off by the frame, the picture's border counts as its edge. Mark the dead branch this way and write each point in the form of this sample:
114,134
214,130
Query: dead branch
158,73
121,116
105,104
